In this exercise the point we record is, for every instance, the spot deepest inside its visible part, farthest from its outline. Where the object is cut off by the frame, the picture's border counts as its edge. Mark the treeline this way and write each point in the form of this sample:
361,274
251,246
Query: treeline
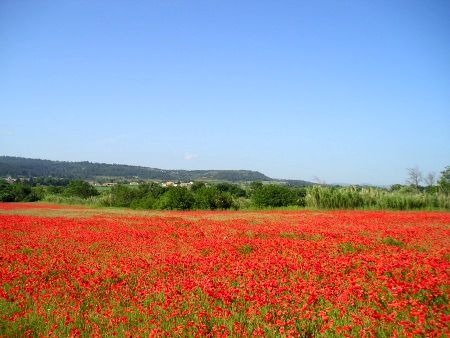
39,188
145,196
225,196
28,167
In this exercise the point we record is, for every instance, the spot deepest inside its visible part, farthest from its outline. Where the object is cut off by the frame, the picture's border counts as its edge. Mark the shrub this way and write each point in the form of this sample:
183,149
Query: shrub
273,196
16,192
152,188
212,198
146,202
21,192
79,188
62,199
177,199
6,194
233,189
121,196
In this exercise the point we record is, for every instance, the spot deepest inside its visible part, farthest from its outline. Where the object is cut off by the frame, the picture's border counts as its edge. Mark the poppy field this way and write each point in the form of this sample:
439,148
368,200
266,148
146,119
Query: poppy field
70,271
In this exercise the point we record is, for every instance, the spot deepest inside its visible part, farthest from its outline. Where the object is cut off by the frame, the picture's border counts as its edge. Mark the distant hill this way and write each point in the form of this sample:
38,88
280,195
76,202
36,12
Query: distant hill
28,167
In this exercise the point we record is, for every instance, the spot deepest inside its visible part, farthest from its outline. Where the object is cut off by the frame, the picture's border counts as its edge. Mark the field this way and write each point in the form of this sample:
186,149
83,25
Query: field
95,272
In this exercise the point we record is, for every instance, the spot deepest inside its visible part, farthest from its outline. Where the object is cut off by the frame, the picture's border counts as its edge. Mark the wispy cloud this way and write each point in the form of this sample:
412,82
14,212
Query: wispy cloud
190,156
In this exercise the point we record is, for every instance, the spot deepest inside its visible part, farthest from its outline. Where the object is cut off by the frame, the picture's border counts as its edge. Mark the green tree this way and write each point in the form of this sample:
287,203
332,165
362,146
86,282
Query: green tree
197,185
396,187
212,198
21,191
254,187
6,194
122,196
55,189
233,189
156,190
444,181
299,196
273,196
39,192
146,202
81,189
177,198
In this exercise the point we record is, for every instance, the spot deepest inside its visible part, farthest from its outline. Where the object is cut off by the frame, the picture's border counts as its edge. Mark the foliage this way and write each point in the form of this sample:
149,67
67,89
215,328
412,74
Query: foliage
72,200
6,194
22,192
372,198
121,196
444,181
153,189
27,167
255,186
233,189
79,188
273,196
177,199
146,202
232,196
17,192
396,187
197,186
48,181
212,198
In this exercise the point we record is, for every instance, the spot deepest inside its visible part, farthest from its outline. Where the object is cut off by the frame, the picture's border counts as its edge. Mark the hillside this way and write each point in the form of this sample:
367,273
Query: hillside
20,166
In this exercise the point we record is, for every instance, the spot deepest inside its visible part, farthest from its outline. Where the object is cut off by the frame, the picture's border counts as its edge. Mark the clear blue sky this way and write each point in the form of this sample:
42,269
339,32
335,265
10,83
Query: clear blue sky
346,91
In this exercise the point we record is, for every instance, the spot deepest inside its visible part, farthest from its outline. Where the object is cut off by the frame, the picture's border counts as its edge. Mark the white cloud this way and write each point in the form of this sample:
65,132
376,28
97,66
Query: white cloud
190,156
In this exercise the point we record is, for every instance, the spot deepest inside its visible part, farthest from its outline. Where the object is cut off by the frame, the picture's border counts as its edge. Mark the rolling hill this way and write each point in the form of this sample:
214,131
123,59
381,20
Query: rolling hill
28,167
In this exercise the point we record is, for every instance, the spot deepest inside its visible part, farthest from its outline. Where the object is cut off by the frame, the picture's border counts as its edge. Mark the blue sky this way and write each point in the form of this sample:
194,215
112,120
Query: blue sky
345,91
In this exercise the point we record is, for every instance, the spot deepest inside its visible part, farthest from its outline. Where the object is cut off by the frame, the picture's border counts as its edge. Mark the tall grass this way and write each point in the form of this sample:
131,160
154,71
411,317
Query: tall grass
72,200
318,197
372,198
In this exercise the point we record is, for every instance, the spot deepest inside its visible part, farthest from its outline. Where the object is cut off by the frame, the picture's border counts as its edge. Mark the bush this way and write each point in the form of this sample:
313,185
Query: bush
444,181
177,199
146,202
79,188
62,199
21,192
233,189
17,192
212,198
197,185
152,188
6,194
299,195
120,196
273,196
254,187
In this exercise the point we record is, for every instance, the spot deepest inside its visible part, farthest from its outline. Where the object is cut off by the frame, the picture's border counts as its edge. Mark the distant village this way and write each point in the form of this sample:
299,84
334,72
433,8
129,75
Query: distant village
134,183
103,183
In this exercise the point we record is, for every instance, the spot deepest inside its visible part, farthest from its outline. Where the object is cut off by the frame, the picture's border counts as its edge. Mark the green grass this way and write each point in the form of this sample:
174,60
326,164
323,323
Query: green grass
246,249
392,241
348,248
317,198
372,198
302,236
